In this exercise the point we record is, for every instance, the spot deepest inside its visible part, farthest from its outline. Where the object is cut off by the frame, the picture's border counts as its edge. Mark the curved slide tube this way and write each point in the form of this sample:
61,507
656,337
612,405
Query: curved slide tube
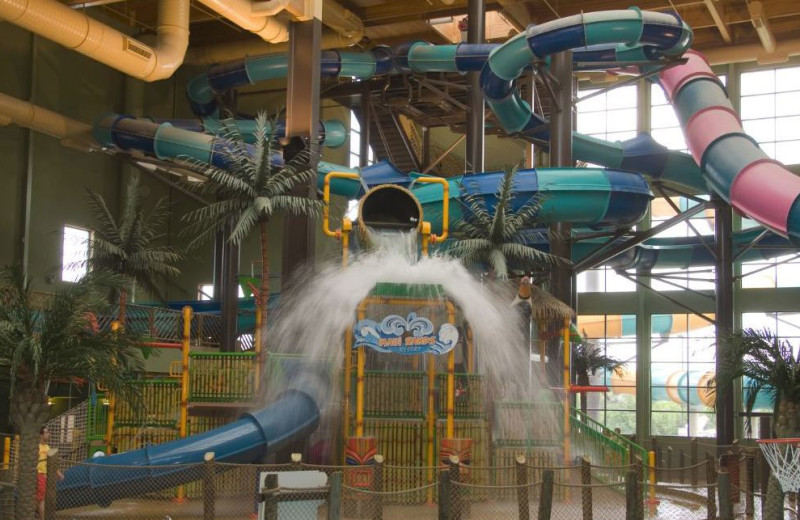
735,167
293,416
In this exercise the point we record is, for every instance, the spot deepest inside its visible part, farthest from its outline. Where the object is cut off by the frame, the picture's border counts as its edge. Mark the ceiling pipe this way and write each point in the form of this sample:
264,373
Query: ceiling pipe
75,30
346,30
70,132
240,12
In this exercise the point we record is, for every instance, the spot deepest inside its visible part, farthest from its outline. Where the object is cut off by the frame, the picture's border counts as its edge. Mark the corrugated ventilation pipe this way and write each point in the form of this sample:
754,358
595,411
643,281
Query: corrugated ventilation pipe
347,29
72,133
77,31
240,12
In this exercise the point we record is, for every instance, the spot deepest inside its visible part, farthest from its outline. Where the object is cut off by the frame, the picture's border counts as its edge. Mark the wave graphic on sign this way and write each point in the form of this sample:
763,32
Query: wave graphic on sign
408,336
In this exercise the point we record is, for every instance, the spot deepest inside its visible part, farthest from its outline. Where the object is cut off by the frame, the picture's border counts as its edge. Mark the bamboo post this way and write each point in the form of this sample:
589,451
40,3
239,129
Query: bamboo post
546,496
631,490
523,500
456,508
209,490
444,495
654,463
270,498
348,382
52,485
470,351
724,493
335,497
711,478
749,474
567,455
377,487
586,490
639,469
112,405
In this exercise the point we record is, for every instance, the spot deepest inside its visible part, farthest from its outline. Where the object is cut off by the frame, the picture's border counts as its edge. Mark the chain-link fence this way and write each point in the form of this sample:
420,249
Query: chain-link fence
382,491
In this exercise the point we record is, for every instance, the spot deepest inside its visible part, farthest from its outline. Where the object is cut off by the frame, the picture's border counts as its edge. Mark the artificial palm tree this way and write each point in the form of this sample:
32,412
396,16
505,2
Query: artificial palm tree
500,236
588,358
130,246
255,185
55,338
770,365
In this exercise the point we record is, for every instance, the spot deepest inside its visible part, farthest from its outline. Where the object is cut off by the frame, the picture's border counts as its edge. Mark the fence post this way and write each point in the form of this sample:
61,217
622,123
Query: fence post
639,469
444,495
724,492
52,484
457,504
711,478
669,475
523,500
586,489
749,486
693,459
269,497
652,473
335,496
209,491
631,490
546,495
296,460
377,486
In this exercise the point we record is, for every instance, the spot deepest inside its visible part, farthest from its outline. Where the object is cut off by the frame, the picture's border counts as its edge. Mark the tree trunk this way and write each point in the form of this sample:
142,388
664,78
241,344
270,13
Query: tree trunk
264,283
787,425
29,411
123,301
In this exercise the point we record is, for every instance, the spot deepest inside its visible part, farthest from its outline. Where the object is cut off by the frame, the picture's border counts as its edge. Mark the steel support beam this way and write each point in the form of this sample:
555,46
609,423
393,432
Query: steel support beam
229,292
723,234
366,126
302,116
476,27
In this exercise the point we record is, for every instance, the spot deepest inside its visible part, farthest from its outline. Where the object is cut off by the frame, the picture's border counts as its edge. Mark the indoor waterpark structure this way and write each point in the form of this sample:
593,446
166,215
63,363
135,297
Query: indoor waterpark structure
369,259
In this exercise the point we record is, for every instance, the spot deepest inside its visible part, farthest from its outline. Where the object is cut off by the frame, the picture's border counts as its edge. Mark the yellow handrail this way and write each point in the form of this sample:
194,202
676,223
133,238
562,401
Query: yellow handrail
326,197
445,206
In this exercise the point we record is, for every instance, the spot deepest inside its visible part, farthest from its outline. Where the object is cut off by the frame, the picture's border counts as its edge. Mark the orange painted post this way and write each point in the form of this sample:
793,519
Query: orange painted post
470,351
184,418
431,420
451,379
7,453
360,365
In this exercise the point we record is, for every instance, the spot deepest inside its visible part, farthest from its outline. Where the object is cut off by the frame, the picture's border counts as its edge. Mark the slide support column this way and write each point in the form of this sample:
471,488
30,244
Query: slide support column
723,232
476,26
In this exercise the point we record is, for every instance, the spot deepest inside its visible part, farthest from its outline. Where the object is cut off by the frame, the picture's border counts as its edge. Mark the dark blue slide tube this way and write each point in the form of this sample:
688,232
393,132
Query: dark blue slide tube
293,416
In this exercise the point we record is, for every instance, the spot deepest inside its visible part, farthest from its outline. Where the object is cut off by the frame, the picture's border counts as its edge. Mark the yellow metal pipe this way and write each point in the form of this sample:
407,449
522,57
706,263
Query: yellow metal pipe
431,422
445,206
7,453
651,462
347,226
185,344
451,379
567,455
348,374
361,357
426,238
326,198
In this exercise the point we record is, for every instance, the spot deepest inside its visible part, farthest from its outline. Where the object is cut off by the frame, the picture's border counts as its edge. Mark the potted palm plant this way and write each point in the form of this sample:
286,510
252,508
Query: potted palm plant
769,364
46,339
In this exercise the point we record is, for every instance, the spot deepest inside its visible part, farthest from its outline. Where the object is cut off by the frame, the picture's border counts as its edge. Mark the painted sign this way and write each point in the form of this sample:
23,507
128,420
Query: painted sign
409,336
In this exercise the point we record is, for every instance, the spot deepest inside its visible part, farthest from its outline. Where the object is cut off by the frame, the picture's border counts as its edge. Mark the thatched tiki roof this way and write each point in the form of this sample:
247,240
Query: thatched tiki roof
545,308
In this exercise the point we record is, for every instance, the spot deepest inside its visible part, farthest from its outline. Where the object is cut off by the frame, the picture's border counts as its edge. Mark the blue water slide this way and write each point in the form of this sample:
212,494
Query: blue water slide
294,415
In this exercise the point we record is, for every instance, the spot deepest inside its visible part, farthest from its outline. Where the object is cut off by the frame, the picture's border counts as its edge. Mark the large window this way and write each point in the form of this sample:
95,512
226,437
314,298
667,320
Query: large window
770,111
682,363
74,253
782,270
610,116
678,276
615,335
355,143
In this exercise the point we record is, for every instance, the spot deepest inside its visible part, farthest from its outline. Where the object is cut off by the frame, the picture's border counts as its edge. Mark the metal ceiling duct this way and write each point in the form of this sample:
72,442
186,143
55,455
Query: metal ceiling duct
70,132
75,30
346,28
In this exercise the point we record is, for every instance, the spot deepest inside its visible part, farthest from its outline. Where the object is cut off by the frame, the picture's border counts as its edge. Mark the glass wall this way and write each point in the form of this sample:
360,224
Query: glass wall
615,336
682,363
770,111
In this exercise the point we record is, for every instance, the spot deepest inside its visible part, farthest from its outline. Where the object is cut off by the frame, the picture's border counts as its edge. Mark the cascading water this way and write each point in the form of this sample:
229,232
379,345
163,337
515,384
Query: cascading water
314,318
